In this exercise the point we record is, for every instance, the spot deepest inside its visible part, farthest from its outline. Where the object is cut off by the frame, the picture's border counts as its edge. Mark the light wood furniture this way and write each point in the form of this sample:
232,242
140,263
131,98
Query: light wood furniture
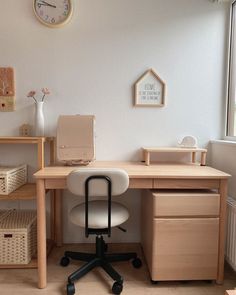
39,141
180,234
163,176
28,191
148,150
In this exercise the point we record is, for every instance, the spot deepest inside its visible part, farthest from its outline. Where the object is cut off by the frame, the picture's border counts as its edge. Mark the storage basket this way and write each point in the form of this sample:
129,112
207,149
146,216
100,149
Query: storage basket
18,236
12,178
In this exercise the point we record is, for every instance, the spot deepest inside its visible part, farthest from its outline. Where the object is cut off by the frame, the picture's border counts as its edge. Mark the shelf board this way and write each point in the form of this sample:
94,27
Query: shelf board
25,140
174,149
33,263
25,192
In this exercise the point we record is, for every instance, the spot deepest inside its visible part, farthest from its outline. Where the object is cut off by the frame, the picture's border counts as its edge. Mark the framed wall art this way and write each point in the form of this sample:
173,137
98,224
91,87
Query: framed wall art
149,90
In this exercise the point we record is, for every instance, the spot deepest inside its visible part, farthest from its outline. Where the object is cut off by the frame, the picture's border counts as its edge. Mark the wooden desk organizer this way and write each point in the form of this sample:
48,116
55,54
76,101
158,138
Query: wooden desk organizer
148,150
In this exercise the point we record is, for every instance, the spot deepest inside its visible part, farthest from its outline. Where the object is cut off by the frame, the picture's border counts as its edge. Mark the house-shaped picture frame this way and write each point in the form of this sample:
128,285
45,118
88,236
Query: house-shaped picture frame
149,90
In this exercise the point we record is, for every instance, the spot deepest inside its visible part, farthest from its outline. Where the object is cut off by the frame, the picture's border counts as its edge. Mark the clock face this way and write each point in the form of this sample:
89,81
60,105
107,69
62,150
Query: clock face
53,13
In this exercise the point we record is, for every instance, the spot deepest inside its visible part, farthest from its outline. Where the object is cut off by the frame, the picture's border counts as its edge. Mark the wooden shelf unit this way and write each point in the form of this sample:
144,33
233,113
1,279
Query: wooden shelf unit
25,192
33,263
40,141
148,150
28,191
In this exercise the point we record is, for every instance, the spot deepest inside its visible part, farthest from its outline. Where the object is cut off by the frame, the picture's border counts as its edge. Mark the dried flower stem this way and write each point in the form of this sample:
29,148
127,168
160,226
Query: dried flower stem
34,99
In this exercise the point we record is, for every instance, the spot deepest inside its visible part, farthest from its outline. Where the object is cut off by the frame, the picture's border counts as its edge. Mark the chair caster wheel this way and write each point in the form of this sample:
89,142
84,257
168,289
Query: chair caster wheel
64,261
137,263
70,289
117,288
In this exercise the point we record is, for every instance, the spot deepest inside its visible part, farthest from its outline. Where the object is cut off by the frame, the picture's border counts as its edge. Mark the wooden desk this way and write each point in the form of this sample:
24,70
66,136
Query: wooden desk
174,176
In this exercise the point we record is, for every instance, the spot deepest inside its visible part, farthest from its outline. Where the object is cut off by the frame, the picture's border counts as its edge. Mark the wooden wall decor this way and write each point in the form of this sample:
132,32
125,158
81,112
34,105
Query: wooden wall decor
7,90
149,90
24,130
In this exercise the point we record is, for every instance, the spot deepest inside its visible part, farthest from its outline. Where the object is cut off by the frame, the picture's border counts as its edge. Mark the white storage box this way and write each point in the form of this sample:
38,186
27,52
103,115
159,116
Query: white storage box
18,236
11,178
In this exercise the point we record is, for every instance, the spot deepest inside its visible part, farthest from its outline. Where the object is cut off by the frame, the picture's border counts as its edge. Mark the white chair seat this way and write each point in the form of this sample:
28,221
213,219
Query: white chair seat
98,214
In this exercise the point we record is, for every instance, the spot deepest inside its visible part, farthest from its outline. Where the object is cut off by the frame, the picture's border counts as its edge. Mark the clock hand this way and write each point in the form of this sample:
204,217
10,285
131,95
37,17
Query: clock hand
41,4
46,4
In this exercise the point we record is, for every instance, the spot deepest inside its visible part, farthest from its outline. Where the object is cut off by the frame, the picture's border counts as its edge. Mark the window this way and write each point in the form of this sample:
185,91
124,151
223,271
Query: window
231,110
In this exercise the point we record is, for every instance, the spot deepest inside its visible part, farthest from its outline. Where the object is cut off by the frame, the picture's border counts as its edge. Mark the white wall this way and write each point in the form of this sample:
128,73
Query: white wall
90,66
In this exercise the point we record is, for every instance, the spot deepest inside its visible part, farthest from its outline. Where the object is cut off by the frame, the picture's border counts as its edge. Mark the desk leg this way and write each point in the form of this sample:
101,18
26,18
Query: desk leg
223,196
58,218
41,235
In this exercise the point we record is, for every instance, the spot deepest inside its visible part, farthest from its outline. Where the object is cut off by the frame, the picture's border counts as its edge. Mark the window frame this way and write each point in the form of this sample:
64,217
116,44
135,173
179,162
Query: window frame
231,75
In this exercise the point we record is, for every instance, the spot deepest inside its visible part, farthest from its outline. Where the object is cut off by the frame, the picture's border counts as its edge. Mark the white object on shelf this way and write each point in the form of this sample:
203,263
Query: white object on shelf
188,142
39,119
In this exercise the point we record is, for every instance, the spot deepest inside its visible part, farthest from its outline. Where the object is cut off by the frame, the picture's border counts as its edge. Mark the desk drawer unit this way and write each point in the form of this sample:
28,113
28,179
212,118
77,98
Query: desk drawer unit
180,234
190,203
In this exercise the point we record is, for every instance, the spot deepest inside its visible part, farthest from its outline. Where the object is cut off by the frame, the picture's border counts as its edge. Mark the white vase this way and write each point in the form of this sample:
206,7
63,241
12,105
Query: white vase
39,119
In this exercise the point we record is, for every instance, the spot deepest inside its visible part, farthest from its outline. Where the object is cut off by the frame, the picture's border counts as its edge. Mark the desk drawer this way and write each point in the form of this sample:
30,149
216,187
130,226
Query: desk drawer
140,183
185,249
185,203
186,183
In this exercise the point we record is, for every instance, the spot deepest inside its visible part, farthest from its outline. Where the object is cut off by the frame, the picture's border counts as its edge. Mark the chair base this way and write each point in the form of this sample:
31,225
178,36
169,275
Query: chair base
101,259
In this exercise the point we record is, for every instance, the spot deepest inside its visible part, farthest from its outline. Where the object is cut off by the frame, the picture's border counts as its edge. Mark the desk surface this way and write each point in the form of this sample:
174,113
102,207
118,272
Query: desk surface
140,170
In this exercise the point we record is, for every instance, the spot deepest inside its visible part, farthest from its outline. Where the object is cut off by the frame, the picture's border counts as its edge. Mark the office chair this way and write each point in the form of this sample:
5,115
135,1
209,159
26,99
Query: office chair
98,217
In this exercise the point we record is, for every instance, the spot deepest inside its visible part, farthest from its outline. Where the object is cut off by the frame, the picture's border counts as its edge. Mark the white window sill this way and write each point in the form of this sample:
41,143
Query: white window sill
225,142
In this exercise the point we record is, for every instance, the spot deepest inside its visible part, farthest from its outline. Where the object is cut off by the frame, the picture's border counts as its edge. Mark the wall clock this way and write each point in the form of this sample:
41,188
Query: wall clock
53,13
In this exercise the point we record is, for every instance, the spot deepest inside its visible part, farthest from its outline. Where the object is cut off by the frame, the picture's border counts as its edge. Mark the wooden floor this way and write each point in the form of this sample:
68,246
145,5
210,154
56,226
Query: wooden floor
137,281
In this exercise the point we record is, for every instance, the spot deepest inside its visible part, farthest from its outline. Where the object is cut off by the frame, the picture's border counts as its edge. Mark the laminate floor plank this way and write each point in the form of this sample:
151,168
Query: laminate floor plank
97,282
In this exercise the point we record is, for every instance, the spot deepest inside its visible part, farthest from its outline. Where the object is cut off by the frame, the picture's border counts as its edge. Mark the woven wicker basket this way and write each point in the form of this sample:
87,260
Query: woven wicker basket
18,236
11,178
